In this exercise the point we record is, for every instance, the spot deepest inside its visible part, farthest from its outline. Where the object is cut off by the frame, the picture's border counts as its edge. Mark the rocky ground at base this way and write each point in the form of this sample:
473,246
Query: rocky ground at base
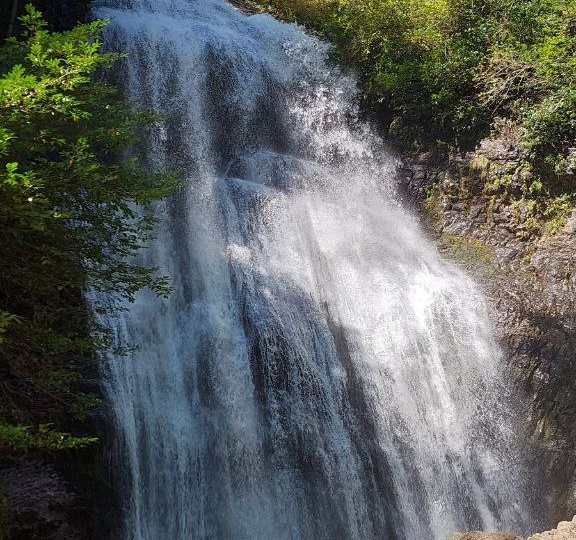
479,535
566,530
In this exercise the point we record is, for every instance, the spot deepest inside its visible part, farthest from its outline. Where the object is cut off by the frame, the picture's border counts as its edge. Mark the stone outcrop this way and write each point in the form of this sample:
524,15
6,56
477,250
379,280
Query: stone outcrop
40,502
476,209
246,6
566,530
478,535
64,496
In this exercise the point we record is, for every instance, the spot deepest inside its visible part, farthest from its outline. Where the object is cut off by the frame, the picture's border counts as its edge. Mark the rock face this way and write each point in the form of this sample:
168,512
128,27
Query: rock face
246,6
58,497
40,502
478,535
481,212
566,530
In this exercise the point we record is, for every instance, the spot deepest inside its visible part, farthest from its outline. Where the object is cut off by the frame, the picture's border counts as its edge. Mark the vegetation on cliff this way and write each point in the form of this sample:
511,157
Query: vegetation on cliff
447,73
69,222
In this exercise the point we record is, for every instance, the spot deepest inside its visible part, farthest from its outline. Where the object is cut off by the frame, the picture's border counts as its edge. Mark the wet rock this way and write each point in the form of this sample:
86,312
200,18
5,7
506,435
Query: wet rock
566,530
478,535
570,227
530,281
476,210
40,502
501,217
246,7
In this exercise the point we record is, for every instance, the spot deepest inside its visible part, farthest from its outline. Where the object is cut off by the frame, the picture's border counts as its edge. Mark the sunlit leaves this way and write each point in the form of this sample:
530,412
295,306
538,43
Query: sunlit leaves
73,210
447,70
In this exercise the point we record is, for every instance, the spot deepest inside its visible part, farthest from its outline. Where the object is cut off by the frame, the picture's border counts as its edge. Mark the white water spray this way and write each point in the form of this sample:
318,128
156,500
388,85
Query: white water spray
319,372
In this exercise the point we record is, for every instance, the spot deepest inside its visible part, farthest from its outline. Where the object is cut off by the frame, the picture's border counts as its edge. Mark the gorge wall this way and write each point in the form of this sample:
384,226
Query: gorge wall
527,271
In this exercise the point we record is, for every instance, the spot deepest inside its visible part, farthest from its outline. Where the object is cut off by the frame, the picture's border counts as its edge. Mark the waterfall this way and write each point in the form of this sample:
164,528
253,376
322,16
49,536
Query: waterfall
319,372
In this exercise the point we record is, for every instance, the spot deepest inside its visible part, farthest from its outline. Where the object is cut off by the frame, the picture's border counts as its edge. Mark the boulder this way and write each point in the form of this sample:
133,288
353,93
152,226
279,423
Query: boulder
479,535
566,530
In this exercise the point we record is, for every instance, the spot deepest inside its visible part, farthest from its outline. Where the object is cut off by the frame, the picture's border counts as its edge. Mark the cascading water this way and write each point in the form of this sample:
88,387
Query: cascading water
319,372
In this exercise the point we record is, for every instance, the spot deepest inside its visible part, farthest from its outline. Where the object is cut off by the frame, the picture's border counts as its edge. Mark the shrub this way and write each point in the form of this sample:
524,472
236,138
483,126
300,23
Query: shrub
68,213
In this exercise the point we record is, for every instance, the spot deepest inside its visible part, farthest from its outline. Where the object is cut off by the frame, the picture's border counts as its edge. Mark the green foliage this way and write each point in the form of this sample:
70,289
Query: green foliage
450,71
417,56
73,211
530,77
433,205
6,320
472,253
42,438
557,211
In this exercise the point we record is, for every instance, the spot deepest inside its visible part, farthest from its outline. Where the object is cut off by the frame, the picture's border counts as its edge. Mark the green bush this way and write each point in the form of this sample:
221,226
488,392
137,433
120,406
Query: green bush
69,215
41,438
449,71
